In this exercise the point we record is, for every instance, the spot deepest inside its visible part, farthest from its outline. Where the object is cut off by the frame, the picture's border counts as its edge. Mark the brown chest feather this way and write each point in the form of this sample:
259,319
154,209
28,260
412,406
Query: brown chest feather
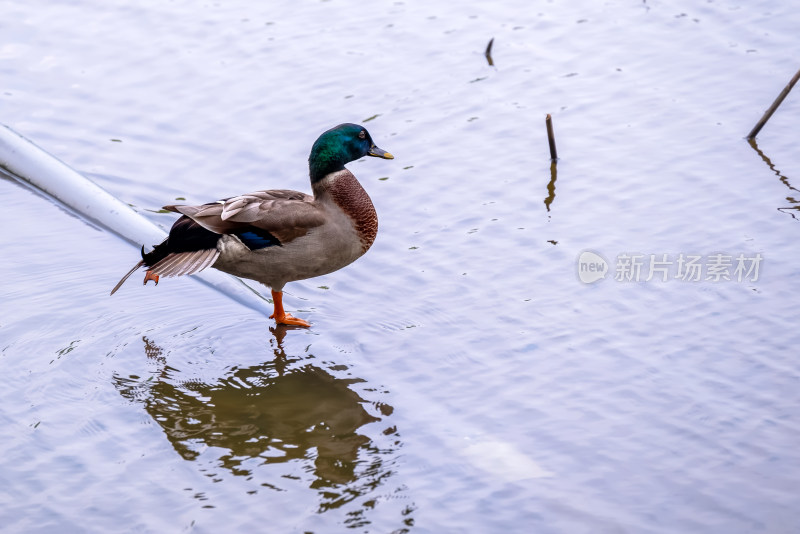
354,201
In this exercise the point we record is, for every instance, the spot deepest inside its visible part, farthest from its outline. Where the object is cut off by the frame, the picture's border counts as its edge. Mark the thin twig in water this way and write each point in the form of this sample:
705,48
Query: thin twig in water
551,138
488,52
767,114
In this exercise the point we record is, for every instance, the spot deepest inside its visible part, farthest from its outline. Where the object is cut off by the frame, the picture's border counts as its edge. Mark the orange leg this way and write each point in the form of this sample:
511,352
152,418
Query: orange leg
280,316
150,275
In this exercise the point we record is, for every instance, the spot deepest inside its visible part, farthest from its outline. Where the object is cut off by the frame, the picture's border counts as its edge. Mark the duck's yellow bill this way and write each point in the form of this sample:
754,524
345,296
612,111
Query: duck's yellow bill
379,153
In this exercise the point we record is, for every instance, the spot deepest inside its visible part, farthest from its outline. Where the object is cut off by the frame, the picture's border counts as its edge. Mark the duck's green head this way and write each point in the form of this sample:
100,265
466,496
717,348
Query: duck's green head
342,144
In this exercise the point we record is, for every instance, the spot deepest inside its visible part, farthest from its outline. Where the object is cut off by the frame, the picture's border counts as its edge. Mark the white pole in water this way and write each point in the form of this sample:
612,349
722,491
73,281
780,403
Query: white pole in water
28,163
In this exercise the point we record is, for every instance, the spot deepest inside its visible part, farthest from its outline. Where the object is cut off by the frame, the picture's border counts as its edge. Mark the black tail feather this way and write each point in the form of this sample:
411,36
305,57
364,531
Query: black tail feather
184,236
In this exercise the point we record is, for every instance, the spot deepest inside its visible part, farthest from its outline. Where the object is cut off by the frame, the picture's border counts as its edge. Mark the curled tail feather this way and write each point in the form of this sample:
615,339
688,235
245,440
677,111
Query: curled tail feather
119,284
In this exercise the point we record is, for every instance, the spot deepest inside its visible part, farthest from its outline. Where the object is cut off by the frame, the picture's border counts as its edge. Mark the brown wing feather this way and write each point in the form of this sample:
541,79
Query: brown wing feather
285,214
182,263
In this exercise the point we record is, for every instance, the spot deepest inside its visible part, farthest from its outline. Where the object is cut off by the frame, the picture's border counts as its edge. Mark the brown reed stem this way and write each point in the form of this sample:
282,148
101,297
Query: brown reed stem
767,114
551,138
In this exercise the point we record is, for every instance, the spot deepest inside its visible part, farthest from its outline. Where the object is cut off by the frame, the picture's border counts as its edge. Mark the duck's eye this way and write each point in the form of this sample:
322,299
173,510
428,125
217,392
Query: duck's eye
362,134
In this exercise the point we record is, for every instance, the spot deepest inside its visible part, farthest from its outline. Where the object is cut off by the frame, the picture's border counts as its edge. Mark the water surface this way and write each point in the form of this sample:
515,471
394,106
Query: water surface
459,377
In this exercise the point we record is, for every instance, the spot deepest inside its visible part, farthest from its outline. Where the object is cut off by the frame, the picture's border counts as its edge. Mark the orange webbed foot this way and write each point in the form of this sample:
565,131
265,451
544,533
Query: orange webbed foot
280,316
150,275
289,319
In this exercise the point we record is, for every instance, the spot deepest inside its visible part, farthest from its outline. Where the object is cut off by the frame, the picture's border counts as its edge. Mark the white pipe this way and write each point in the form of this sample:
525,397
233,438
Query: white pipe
25,161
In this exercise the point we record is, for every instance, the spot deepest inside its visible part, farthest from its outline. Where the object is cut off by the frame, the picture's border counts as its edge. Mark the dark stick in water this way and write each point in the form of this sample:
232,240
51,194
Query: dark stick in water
551,138
488,52
767,114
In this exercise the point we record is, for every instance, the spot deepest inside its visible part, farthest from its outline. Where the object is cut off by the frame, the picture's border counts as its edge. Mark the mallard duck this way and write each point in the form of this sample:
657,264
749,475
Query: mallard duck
278,236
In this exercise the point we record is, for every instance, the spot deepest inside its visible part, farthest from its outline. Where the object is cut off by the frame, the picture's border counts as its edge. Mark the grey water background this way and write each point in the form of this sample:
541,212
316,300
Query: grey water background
459,377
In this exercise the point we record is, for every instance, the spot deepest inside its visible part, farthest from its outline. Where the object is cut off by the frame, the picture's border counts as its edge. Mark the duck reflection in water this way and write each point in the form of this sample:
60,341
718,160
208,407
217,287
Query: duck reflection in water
271,413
